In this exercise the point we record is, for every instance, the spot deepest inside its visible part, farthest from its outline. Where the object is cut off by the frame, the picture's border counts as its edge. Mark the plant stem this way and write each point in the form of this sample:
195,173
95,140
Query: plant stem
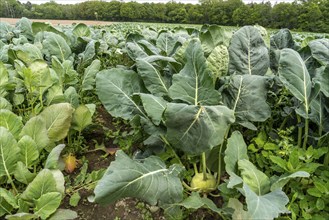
283,123
219,171
305,133
204,166
187,186
300,132
195,168
326,159
12,184
169,146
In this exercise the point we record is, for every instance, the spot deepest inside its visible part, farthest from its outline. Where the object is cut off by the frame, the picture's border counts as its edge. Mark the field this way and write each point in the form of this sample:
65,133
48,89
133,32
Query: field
150,121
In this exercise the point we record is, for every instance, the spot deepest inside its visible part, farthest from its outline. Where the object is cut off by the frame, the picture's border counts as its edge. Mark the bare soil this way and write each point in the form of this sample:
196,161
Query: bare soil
58,22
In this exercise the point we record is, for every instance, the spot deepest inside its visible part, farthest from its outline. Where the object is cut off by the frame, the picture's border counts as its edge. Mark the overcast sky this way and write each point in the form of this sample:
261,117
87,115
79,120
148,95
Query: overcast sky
142,1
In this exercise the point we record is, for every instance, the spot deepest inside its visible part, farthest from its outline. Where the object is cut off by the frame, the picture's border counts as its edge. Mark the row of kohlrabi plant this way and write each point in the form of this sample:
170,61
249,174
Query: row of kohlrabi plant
199,96
41,106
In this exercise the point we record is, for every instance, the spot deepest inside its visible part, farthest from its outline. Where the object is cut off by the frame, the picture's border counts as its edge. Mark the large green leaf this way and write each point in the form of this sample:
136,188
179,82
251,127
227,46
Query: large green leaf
196,129
148,180
37,78
43,183
213,37
194,83
267,206
88,79
28,150
11,121
64,214
294,75
168,43
153,79
25,27
82,117
320,50
58,120
194,201
280,40
65,71
284,179
218,61
322,77
9,197
154,107
254,178
320,112
37,130
56,45
115,88
239,212
53,158
22,173
47,204
236,150
28,53
9,153
81,30
5,104
4,76
248,53
244,95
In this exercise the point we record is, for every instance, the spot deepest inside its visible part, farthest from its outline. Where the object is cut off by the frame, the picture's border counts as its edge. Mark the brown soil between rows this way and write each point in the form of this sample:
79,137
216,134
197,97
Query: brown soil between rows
58,22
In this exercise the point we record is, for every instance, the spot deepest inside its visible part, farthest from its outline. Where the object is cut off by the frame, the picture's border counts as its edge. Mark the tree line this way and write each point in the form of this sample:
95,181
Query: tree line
302,15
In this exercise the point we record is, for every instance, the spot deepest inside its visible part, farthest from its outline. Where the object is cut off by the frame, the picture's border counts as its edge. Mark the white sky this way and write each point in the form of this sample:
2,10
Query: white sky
142,1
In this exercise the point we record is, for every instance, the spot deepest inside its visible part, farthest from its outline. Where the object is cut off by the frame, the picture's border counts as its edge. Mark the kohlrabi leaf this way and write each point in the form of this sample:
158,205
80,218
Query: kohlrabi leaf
37,130
194,201
244,95
28,150
239,212
54,156
218,62
152,77
295,76
254,178
4,76
22,215
58,120
213,37
154,107
81,30
4,104
37,78
284,179
236,150
43,183
196,129
56,45
9,153
82,117
25,27
320,112
64,214
268,206
167,43
11,122
47,204
320,50
71,96
148,180
22,173
115,88
248,53
88,79
9,197
28,53
135,51
322,77
280,40
194,83
65,71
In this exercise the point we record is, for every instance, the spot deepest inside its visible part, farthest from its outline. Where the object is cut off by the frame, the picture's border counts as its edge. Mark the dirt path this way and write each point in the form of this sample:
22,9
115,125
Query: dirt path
58,22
